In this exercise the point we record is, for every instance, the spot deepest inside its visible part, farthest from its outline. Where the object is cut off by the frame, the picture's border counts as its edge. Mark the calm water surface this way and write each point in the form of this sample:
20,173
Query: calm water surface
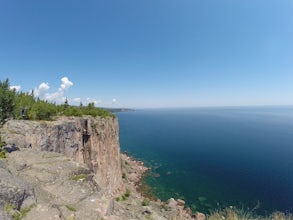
215,157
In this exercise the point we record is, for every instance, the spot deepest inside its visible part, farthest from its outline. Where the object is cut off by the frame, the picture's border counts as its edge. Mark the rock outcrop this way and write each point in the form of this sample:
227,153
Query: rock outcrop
88,140
71,169
63,188
14,192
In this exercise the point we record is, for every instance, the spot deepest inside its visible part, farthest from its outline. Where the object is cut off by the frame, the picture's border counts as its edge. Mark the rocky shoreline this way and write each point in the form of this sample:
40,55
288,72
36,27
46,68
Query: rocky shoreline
133,172
50,185
144,206
72,168
38,184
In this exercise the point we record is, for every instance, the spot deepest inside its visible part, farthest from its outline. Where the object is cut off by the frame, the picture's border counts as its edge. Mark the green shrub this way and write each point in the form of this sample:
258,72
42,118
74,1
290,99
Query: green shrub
235,213
125,196
127,193
17,215
9,207
79,177
70,208
2,150
145,202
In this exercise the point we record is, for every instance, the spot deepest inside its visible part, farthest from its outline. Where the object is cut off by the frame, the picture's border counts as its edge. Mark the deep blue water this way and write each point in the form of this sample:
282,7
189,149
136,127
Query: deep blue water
215,157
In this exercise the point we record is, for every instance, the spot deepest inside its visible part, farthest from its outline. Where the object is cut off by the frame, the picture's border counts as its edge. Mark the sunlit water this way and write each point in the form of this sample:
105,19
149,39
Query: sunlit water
215,157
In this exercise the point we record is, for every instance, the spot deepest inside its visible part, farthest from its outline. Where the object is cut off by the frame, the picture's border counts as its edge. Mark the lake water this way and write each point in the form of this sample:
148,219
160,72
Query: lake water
215,157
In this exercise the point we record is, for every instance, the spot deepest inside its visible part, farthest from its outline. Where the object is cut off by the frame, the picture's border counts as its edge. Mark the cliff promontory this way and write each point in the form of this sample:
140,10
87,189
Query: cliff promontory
71,169
88,140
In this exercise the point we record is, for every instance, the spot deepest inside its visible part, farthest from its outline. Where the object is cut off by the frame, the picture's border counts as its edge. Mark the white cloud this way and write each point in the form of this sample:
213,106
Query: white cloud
66,84
92,100
17,88
44,86
58,96
77,100
114,101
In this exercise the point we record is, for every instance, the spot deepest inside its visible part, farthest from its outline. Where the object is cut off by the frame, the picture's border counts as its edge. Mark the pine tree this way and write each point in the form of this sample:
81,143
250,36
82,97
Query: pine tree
7,97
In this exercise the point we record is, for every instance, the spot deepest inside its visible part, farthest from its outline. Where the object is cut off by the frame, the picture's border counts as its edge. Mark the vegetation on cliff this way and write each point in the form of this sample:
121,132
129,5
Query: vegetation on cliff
2,150
20,105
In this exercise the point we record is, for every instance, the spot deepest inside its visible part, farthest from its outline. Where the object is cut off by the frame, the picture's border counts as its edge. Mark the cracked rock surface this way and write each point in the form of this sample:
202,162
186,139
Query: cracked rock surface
64,189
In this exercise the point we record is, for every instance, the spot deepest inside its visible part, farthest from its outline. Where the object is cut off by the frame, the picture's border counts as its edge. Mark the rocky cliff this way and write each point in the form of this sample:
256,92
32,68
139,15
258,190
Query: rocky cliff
88,140
85,183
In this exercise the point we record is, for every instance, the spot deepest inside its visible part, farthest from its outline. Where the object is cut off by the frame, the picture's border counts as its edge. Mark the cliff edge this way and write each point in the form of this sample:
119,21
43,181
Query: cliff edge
71,169
88,140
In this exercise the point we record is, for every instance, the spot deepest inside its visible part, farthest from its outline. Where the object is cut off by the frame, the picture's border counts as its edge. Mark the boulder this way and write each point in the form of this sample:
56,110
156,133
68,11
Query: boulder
199,216
172,203
180,202
10,148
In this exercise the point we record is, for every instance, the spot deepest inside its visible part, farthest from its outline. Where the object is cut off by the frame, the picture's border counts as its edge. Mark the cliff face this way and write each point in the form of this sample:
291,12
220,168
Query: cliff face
93,141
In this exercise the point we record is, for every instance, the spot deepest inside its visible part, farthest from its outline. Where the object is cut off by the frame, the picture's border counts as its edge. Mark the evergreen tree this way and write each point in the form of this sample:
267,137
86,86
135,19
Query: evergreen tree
7,97
66,103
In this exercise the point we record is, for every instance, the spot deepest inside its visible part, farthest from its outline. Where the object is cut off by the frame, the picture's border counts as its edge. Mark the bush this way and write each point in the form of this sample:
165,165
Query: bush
2,150
127,193
17,215
145,202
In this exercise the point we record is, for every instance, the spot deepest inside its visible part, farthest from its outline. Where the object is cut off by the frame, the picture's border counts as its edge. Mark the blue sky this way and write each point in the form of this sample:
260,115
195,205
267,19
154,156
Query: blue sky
150,53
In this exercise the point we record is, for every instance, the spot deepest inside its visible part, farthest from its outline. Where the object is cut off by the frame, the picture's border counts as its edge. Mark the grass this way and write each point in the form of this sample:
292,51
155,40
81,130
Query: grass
145,202
17,215
2,153
122,163
232,213
79,177
127,193
70,208
124,197
281,216
9,207
2,150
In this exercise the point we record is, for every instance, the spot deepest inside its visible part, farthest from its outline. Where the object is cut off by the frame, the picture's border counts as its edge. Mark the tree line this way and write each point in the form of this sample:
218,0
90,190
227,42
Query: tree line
20,105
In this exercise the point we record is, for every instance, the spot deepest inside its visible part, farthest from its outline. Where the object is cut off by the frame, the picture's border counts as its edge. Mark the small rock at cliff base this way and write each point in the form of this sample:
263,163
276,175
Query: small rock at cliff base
180,202
172,203
199,216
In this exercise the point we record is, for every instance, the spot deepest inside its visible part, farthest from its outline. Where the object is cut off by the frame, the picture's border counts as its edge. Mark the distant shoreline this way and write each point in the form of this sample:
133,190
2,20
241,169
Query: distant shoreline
114,110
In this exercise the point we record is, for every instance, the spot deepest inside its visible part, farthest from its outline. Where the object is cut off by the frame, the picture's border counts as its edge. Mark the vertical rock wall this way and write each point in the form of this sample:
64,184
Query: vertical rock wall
93,141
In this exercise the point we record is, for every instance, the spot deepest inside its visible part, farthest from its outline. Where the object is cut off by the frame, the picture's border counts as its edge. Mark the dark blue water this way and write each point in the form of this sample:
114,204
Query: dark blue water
215,157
